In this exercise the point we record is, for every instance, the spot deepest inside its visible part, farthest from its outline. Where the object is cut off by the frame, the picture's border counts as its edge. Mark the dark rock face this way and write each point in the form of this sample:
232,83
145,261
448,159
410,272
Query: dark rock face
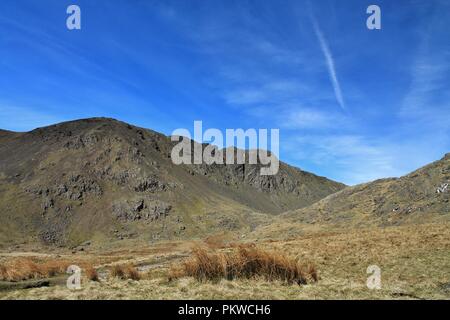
150,184
55,196
249,174
78,185
140,210
49,236
83,141
73,188
53,231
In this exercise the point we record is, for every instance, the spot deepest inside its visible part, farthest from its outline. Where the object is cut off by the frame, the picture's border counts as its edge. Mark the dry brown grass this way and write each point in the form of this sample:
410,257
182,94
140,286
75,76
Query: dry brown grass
132,273
244,262
91,273
125,272
20,269
414,261
3,271
117,271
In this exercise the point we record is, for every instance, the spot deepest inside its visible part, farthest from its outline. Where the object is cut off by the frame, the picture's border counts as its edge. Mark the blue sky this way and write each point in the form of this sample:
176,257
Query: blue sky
351,104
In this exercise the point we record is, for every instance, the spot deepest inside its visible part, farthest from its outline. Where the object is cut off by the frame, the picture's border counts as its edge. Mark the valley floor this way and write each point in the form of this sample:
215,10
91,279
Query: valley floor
414,262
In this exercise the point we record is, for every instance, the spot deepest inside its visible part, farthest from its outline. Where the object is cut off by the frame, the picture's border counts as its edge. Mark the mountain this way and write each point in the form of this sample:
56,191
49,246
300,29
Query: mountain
420,196
101,179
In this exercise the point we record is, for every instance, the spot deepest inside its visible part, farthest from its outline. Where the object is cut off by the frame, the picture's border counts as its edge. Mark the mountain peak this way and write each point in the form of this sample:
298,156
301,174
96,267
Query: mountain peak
91,176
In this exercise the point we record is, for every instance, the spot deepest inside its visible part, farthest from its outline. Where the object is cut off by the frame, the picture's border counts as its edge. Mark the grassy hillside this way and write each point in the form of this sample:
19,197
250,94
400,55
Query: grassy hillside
415,198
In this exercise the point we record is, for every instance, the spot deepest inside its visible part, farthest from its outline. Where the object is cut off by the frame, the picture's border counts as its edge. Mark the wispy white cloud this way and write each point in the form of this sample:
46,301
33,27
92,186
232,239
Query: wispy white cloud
427,97
276,78
354,159
265,91
245,96
308,118
426,103
330,62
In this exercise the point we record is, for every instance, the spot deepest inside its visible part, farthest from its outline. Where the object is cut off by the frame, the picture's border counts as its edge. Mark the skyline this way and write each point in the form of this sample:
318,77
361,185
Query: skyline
351,104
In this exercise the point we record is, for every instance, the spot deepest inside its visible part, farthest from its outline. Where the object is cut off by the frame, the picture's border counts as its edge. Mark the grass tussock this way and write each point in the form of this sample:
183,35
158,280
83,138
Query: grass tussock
91,274
244,262
3,272
21,269
125,272
117,271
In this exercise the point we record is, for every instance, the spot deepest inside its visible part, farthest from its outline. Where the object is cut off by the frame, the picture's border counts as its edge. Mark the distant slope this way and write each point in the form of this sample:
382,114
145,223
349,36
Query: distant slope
416,197
104,179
